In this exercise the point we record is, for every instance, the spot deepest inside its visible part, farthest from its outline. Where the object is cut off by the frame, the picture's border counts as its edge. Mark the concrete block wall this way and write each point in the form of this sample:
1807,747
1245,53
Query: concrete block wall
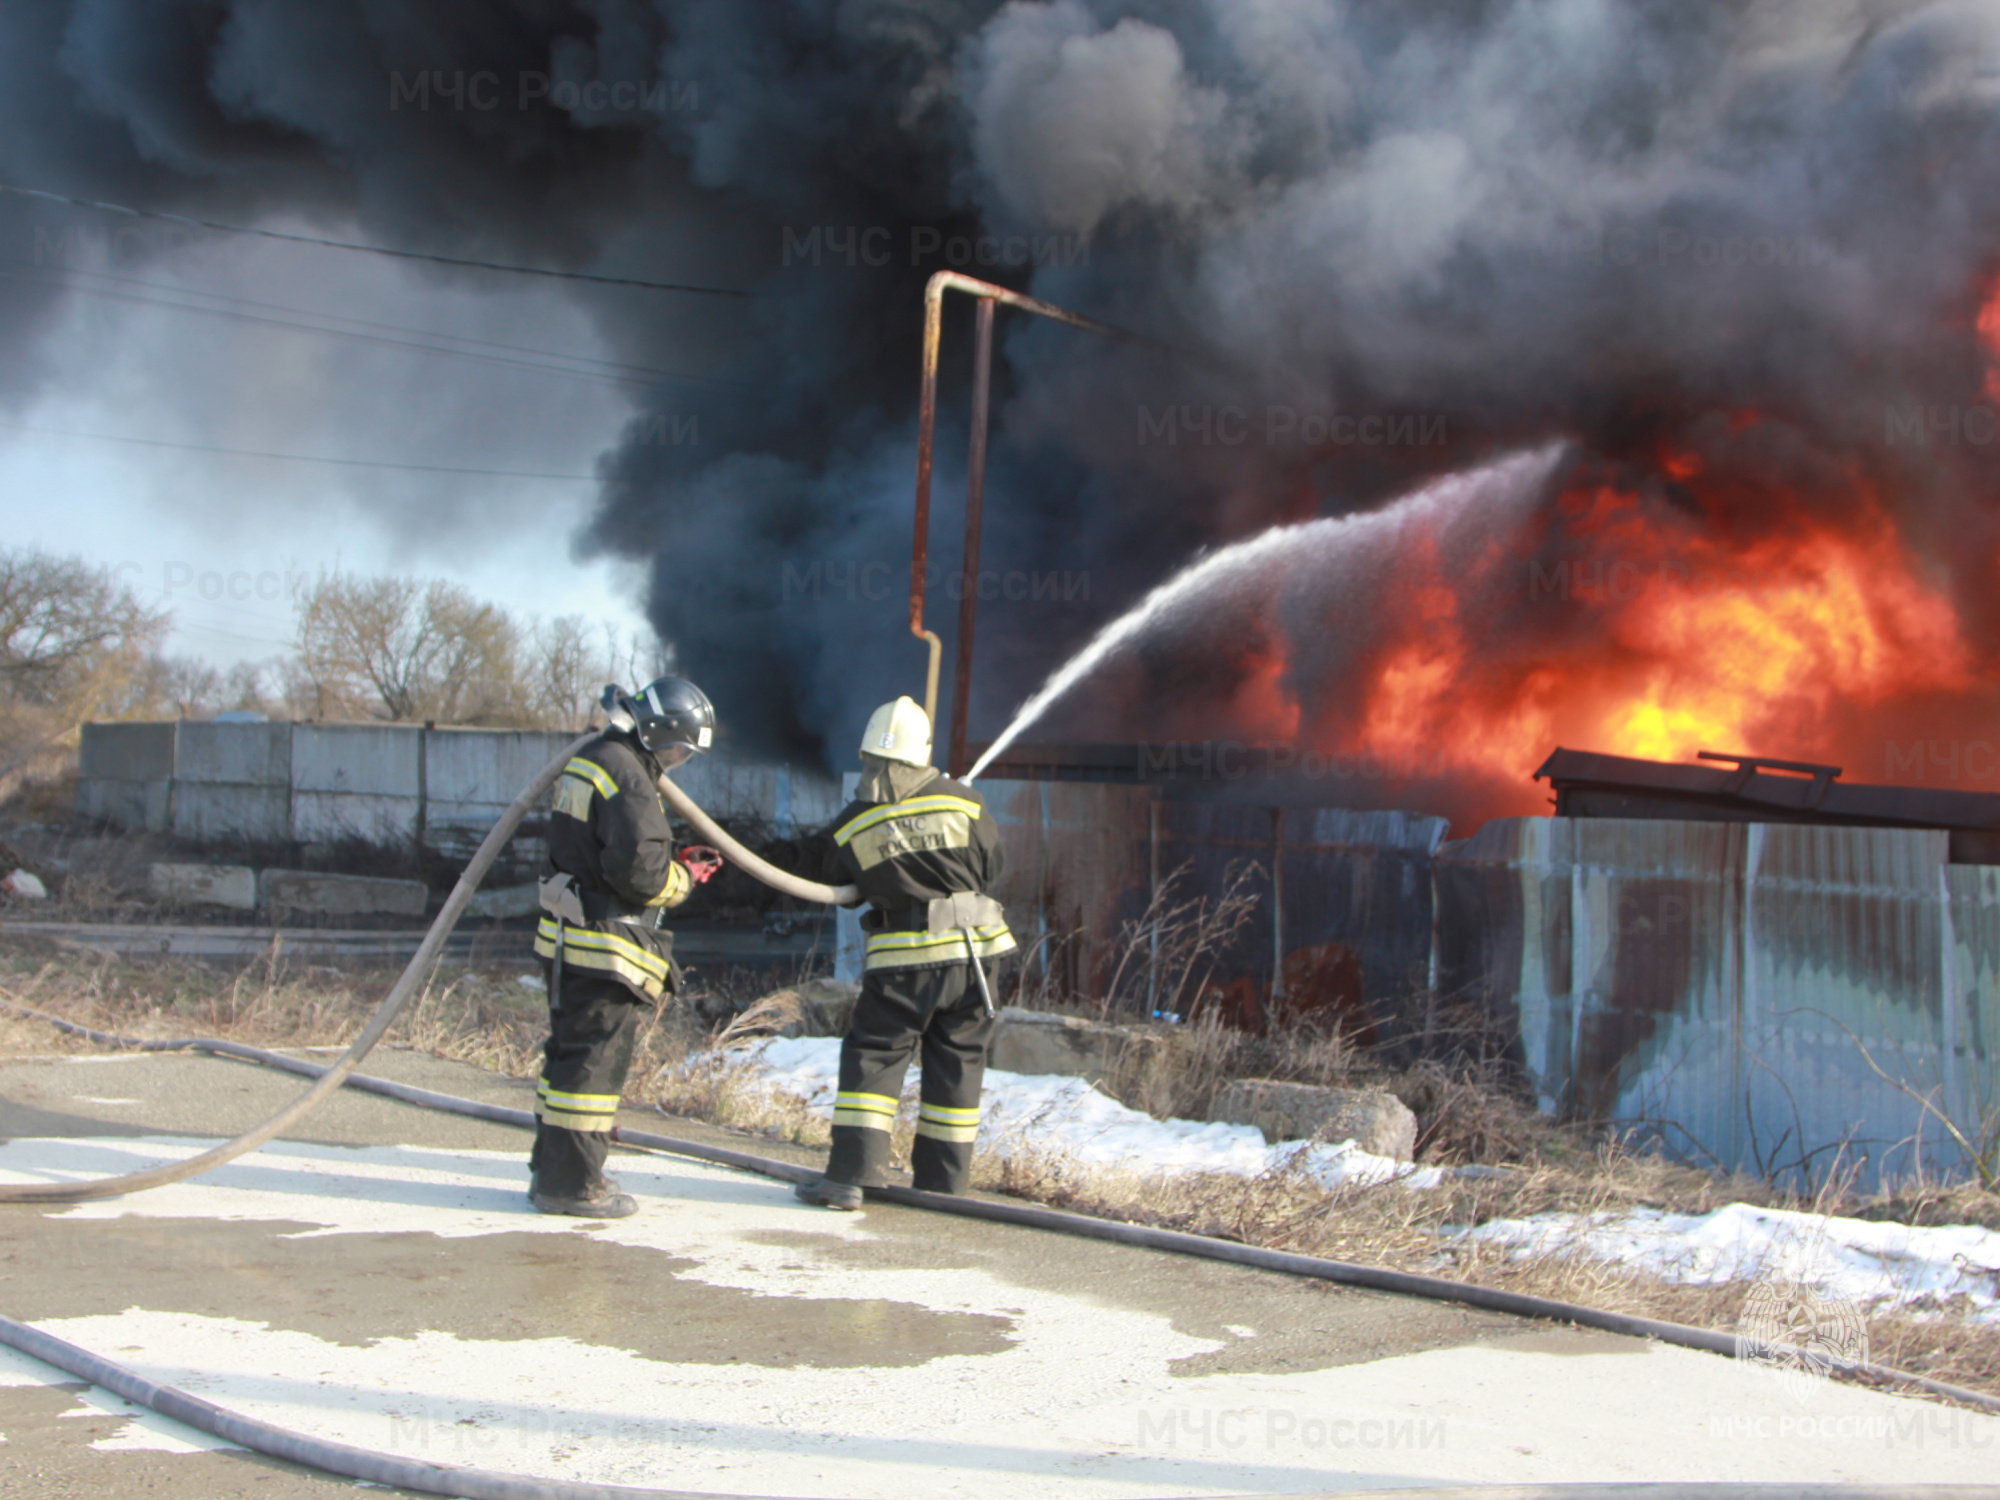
384,783
124,773
469,777
356,781
230,781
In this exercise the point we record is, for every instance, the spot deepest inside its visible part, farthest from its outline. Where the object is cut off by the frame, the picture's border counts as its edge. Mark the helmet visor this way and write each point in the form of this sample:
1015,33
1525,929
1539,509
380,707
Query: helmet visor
671,756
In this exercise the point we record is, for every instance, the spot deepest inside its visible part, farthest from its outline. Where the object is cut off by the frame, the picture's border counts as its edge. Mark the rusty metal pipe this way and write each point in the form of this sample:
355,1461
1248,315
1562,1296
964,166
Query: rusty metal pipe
952,281
975,503
926,430
988,294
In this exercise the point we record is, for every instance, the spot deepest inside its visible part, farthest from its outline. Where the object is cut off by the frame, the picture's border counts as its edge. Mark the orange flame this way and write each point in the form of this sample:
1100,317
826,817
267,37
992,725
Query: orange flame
1989,335
1672,640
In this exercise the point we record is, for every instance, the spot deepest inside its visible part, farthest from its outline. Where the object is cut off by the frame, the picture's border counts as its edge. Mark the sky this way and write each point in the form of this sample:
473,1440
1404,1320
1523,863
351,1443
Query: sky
186,344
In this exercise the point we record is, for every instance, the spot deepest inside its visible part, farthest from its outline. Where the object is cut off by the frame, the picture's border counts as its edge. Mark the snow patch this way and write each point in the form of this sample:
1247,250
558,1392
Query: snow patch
1873,1265
1068,1118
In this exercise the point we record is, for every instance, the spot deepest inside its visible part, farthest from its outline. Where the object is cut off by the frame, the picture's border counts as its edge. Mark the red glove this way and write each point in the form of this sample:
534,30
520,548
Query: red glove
702,862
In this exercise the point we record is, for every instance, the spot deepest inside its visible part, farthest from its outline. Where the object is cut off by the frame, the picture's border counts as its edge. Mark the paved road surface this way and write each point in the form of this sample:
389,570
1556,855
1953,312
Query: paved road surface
381,1282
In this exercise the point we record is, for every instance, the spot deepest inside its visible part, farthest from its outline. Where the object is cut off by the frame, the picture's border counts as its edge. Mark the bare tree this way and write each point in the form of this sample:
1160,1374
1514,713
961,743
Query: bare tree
244,685
566,672
568,668
169,687
396,648
473,674
73,640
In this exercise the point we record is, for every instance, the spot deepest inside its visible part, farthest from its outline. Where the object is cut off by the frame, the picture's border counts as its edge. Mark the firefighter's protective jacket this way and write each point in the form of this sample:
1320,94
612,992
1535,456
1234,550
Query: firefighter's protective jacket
937,841
609,833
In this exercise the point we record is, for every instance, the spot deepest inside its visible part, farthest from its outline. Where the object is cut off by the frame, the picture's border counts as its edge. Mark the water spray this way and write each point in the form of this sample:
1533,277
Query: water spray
1316,542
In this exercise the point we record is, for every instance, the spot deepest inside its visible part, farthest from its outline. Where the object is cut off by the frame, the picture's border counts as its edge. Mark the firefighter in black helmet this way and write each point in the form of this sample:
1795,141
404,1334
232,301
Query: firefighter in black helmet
614,869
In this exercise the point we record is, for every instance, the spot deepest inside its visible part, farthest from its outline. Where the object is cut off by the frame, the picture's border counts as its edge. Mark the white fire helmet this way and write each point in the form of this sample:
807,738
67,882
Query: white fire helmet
899,731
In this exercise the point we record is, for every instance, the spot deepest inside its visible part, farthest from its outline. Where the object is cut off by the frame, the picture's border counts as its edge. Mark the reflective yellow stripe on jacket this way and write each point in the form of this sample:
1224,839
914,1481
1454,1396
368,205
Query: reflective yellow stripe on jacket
593,773
908,950
579,781
605,953
917,825
675,891
909,807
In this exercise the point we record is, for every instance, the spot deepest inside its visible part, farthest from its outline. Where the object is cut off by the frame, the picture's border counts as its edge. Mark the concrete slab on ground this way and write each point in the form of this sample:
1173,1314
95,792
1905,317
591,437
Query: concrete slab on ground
691,944
380,1281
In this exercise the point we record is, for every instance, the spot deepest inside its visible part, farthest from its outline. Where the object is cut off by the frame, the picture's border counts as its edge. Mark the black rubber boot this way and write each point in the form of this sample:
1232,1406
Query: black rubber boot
841,1195
608,1204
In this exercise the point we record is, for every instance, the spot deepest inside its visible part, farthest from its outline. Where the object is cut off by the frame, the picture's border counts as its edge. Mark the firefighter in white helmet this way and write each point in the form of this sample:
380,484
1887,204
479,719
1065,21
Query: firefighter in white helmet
923,851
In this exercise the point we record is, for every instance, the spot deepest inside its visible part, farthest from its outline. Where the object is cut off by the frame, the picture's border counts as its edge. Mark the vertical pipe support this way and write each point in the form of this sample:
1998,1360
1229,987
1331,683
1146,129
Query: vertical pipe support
989,295
1277,913
975,501
1153,906
920,551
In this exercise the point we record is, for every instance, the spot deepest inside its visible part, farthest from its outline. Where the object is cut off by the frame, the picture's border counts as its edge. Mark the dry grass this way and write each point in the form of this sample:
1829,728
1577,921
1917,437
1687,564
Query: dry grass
273,1000
480,1015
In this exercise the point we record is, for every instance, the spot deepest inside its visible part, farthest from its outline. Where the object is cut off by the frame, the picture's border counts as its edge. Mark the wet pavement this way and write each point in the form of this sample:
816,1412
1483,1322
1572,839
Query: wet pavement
381,1281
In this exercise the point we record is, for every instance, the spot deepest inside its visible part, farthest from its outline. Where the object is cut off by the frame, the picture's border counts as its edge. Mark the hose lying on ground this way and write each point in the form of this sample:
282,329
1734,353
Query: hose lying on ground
770,874
1173,1241
486,1484
414,974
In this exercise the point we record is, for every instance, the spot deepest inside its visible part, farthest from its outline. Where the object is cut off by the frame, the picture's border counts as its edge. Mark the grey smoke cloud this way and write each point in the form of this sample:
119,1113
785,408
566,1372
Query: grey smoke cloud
1612,220
1073,122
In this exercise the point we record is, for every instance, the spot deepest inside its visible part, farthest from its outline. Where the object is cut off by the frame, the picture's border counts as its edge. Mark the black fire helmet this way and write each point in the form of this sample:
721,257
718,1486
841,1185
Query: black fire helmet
671,717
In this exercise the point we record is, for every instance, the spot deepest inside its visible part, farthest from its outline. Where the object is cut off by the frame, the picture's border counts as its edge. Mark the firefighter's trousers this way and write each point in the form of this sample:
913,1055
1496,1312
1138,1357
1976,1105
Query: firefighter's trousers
584,1063
900,1011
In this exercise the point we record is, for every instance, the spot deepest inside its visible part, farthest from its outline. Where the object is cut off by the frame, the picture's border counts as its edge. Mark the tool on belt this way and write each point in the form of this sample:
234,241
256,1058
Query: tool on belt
961,912
561,900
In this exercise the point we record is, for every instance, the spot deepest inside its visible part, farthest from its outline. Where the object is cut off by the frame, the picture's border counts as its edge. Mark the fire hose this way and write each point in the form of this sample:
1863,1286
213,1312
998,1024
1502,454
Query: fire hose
472,1484
750,864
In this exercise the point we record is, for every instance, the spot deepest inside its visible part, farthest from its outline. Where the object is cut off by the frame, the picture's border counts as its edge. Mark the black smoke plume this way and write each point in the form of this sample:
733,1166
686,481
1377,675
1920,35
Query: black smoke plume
1401,237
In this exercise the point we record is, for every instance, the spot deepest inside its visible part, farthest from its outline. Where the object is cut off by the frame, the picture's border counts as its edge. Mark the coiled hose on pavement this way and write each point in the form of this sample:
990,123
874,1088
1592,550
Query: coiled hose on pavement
476,1484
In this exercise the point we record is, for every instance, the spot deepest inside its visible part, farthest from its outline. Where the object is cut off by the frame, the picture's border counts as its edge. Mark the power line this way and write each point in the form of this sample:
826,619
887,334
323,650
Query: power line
297,458
312,312
604,376
313,239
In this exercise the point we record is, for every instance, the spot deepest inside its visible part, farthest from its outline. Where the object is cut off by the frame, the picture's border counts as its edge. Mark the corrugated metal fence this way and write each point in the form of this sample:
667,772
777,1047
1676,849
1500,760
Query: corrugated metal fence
1769,997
